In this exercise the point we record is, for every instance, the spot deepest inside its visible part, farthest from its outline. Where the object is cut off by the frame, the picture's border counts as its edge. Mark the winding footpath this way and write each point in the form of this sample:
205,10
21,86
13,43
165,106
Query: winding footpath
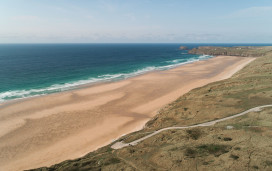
121,144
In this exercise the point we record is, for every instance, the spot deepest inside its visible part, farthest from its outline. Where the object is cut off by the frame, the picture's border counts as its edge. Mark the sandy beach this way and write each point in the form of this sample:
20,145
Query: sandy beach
45,130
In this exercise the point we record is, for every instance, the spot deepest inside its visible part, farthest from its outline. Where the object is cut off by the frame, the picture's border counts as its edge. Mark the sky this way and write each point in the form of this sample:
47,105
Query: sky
135,21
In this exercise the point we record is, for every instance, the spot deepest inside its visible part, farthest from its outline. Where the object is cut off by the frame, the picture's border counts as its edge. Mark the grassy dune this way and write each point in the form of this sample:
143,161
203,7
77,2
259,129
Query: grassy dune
248,88
243,143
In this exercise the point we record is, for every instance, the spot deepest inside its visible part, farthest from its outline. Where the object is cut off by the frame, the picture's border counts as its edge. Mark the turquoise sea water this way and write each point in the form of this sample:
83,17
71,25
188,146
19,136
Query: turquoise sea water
35,69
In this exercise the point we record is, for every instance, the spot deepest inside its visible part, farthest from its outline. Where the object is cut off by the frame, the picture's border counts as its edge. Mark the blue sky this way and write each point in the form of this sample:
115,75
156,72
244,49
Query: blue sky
135,21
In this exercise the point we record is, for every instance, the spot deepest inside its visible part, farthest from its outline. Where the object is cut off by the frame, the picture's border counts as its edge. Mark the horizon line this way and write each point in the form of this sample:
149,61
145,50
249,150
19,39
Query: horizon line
135,43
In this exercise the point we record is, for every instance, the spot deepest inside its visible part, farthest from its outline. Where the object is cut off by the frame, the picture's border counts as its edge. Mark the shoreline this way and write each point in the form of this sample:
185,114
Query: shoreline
62,122
86,85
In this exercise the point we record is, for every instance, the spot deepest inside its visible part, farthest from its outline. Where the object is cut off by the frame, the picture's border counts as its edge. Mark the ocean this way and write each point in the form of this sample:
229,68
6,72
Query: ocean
28,70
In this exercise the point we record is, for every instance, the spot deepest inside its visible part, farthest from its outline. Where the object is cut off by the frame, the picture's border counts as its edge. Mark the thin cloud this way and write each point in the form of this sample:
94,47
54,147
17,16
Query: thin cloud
59,9
90,17
108,6
130,16
202,37
253,12
25,18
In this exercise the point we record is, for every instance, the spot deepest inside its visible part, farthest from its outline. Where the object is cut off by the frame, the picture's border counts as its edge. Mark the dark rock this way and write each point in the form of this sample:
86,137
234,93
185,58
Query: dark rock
183,48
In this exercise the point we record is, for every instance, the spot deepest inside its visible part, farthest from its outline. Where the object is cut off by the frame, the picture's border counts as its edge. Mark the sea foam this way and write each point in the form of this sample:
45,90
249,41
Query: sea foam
19,94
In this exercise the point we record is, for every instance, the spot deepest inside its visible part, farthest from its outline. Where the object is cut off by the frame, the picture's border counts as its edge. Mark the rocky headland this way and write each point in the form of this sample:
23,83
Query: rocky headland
244,51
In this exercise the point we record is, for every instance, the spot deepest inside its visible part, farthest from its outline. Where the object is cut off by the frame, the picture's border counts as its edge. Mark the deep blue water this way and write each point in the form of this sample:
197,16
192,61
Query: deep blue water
35,69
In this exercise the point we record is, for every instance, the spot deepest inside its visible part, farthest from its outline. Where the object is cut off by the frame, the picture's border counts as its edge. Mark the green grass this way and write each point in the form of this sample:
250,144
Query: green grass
215,149
194,133
234,157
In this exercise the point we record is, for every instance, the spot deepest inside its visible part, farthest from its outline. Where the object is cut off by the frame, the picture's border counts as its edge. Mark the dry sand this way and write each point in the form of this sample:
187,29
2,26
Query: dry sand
46,130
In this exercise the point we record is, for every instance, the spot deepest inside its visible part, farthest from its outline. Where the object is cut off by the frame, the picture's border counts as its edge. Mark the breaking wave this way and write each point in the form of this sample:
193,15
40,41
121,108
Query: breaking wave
18,94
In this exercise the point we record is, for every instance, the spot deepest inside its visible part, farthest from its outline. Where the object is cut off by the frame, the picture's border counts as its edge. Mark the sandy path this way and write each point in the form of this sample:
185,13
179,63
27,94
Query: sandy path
46,130
121,144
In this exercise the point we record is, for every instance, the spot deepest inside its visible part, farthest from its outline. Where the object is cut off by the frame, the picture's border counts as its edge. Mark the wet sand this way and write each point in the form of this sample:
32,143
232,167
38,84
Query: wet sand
45,130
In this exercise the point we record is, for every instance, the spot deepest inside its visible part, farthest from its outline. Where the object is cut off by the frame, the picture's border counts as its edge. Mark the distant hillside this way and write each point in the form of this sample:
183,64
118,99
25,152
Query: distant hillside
245,51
